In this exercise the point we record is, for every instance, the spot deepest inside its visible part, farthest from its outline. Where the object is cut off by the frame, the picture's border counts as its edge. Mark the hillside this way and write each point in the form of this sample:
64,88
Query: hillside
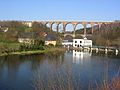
107,35
10,31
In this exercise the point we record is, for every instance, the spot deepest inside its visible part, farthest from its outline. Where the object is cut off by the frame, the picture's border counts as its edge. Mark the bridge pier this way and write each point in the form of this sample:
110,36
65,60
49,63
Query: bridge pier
74,27
84,29
51,25
99,26
92,26
57,28
64,28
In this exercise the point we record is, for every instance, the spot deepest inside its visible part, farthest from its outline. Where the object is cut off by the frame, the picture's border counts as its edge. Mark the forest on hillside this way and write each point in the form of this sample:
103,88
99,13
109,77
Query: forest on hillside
108,35
10,31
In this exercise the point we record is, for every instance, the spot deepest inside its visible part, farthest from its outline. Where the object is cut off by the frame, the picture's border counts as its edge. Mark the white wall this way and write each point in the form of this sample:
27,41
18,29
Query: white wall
82,42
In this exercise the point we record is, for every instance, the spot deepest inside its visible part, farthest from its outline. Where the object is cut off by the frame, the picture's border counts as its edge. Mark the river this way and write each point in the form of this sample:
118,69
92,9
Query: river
72,70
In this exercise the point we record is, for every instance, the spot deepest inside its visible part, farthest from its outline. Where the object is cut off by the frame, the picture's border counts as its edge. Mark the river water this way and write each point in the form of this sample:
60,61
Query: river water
72,70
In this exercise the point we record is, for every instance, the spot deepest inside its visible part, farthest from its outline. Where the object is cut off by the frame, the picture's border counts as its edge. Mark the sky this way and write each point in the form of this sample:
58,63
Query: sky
72,10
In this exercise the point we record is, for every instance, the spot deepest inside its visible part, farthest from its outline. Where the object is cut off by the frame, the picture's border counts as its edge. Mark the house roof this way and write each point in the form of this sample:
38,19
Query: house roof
27,35
69,38
51,37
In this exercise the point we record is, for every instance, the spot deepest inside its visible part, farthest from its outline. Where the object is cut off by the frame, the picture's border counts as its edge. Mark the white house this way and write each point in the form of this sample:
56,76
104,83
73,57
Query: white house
82,43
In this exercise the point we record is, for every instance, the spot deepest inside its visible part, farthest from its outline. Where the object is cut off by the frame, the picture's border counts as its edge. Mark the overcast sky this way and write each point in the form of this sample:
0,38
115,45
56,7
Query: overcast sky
82,10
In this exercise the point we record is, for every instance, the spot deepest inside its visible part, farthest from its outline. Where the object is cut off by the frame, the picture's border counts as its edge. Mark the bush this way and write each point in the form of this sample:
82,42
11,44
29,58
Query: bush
28,47
51,45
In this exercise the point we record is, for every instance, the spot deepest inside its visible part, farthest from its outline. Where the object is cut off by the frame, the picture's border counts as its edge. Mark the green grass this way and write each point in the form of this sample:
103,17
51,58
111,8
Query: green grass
10,45
54,50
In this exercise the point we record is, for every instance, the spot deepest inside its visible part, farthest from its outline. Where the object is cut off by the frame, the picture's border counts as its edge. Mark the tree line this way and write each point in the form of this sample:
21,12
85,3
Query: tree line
107,35
11,30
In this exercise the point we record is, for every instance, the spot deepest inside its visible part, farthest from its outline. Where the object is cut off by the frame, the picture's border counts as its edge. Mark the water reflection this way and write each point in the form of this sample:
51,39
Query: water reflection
16,71
58,71
79,56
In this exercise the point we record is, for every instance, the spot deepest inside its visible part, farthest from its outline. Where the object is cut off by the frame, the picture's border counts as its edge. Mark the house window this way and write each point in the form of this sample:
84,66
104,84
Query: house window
75,41
75,45
80,41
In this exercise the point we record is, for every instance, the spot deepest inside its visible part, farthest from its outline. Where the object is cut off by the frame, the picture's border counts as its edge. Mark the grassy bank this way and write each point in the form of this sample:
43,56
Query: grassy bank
53,50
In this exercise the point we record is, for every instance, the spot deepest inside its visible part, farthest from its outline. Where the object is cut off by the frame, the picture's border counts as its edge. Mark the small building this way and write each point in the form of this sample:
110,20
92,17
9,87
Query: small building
26,38
50,39
50,42
82,43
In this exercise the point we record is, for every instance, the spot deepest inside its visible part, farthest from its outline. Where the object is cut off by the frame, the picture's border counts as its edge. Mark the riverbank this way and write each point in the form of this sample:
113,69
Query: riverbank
53,50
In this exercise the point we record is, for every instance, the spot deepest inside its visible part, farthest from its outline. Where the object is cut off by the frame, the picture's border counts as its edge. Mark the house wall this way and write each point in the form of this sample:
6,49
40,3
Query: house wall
50,42
25,40
82,42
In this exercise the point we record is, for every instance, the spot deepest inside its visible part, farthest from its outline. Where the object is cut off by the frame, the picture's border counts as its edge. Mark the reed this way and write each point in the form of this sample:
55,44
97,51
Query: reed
55,79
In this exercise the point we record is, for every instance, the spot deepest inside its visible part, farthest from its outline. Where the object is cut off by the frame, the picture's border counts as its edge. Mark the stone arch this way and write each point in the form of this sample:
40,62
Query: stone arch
79,28
47,24
88,28
60,27
94,27
66,26
51,25
54,26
